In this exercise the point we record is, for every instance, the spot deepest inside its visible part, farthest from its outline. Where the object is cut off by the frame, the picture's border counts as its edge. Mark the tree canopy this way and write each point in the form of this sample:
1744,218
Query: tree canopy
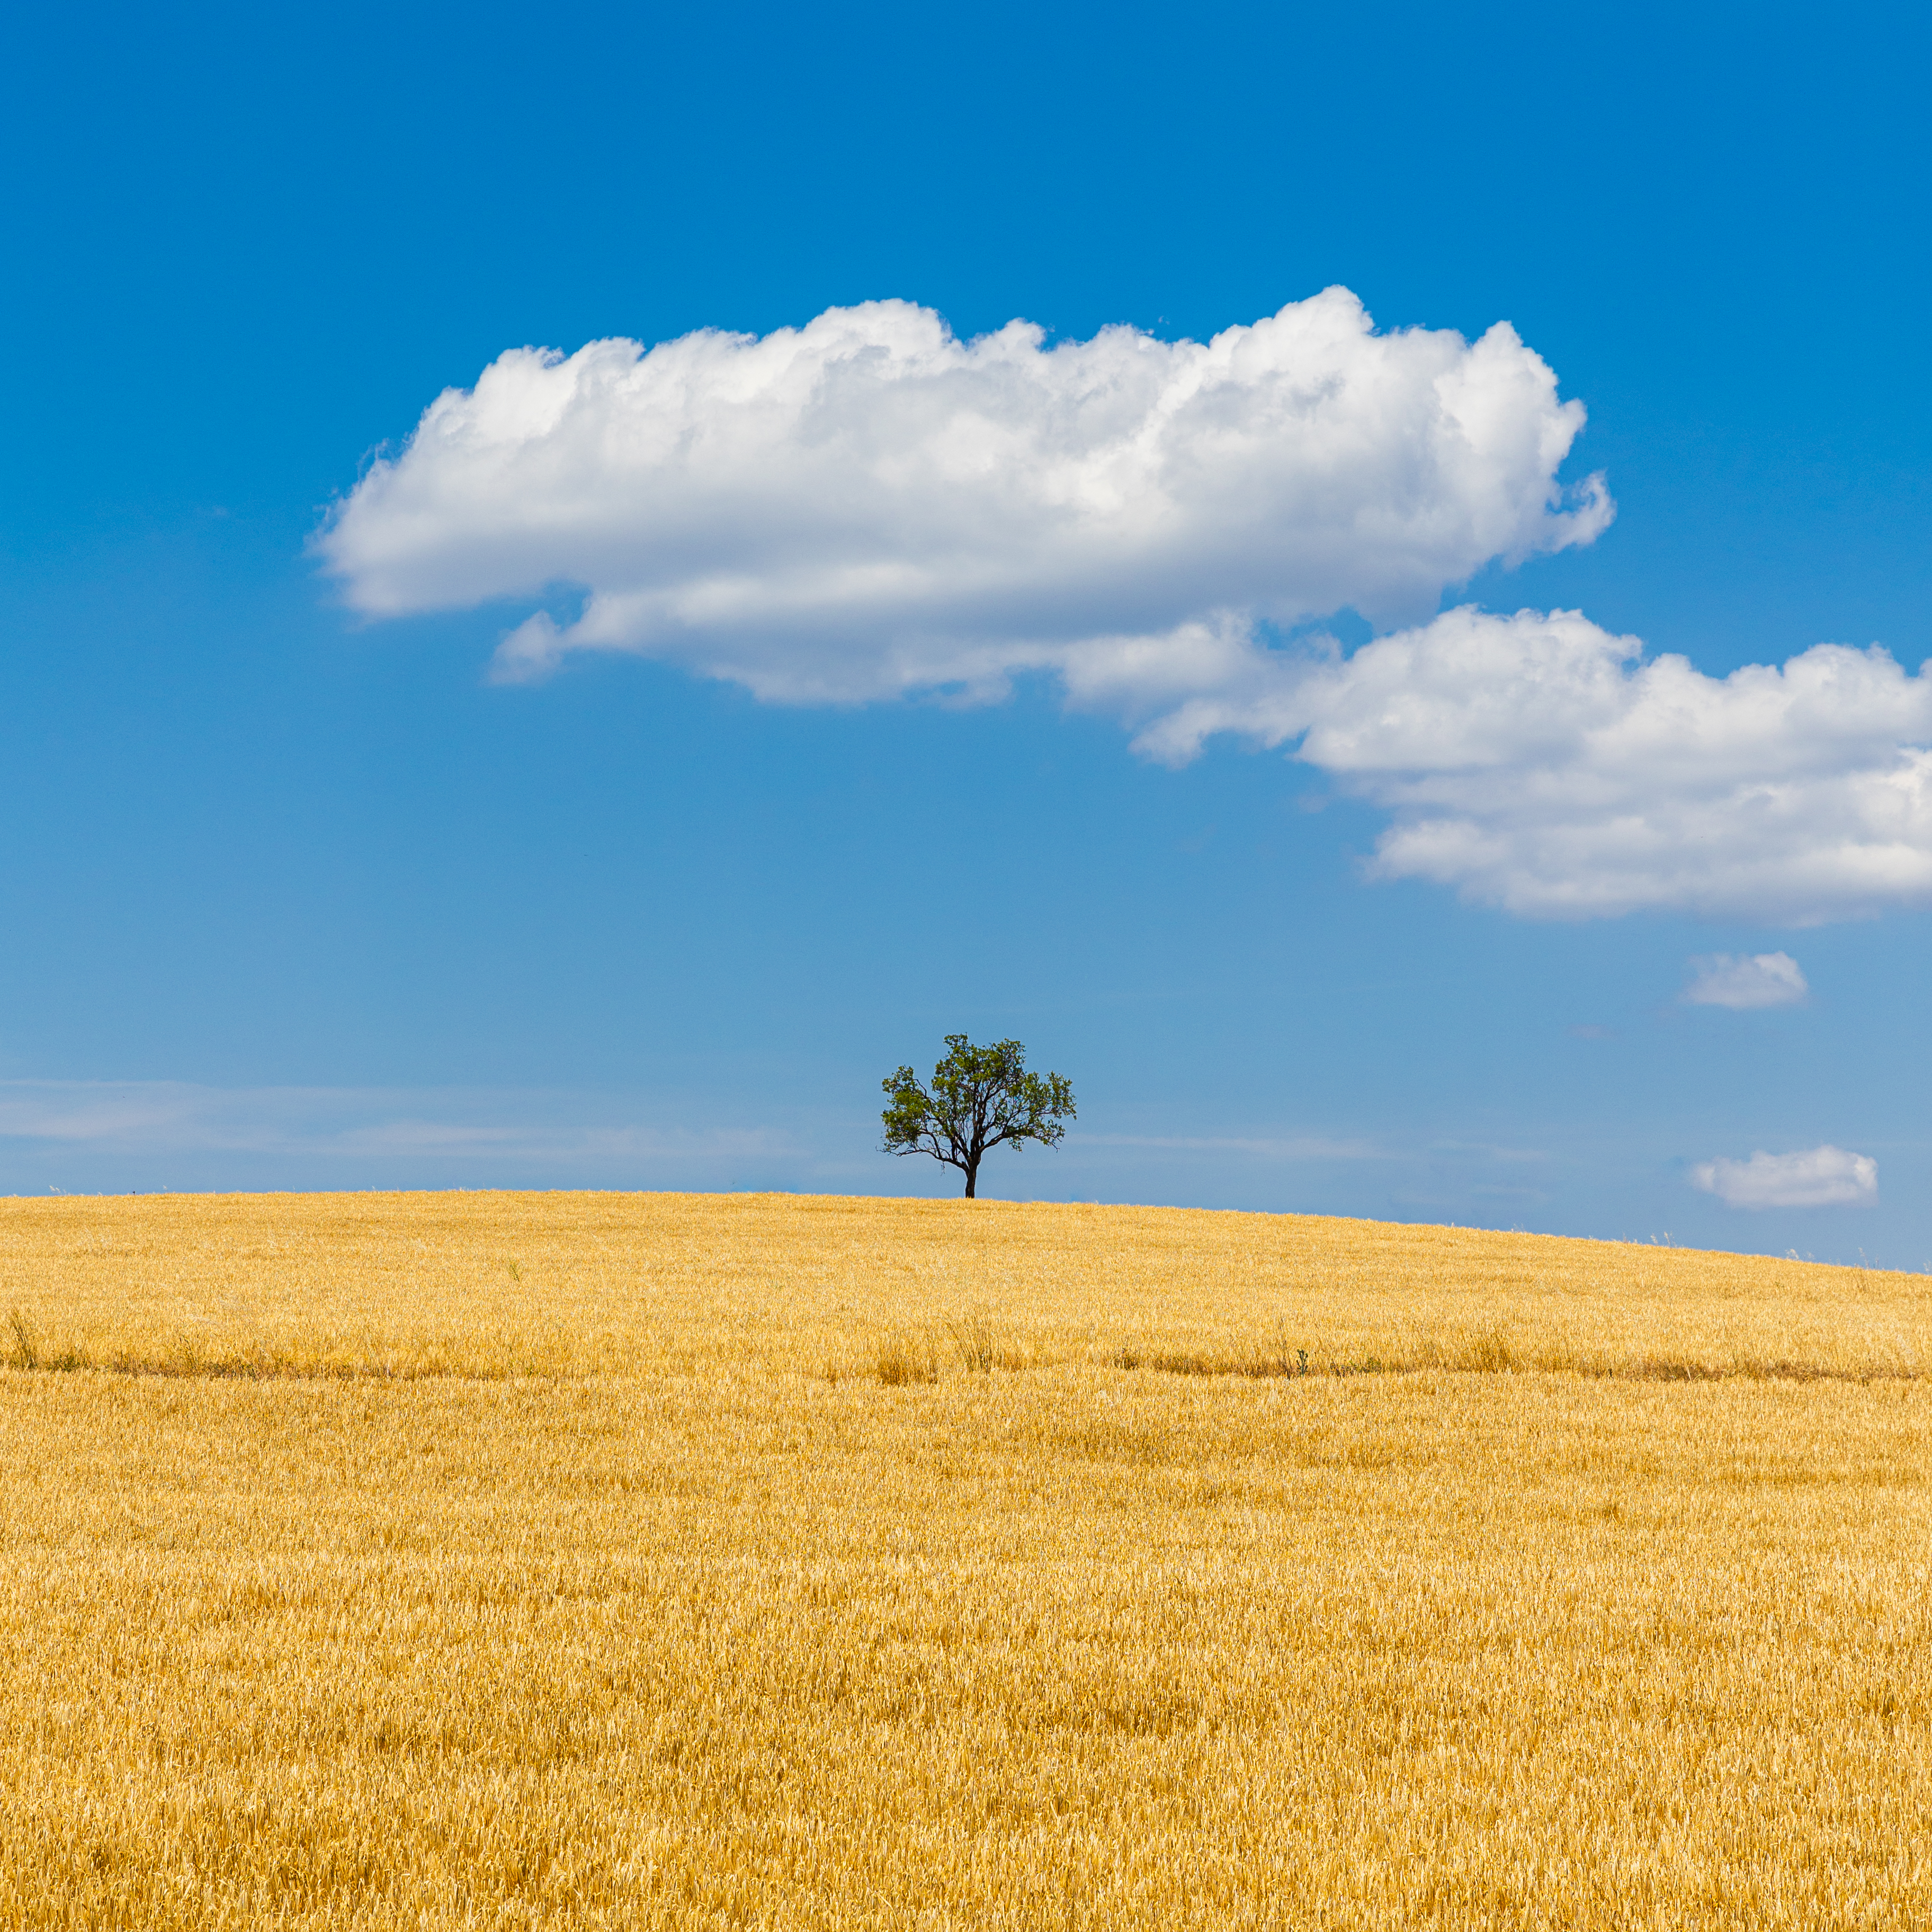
981,1097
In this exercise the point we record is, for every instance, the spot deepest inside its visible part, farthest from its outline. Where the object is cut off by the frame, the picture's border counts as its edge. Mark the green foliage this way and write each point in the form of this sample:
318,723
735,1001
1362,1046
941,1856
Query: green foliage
981,1097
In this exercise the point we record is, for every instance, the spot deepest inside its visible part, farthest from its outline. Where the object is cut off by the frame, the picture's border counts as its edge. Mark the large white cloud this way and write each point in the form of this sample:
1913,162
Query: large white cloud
1820,1176
867,505
1539,763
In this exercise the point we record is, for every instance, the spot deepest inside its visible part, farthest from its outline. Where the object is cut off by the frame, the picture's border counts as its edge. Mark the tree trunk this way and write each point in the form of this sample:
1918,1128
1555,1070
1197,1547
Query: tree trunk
972,1176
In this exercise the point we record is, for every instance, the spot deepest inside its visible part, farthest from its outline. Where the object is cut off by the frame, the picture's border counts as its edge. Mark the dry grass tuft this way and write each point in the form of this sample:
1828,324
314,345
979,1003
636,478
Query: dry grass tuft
902,1359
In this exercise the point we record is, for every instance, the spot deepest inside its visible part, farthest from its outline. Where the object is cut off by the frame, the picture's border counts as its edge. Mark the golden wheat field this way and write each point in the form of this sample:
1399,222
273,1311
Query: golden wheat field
487,1560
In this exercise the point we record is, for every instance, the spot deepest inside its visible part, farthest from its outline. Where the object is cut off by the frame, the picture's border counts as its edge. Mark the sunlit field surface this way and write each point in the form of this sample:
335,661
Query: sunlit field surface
491,1560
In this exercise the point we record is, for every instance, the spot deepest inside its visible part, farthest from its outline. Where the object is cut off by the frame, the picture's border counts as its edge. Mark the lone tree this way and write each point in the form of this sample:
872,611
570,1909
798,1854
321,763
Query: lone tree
980,1096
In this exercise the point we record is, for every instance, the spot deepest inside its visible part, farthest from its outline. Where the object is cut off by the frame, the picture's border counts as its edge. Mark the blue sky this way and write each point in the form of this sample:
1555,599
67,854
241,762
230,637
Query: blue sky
295,894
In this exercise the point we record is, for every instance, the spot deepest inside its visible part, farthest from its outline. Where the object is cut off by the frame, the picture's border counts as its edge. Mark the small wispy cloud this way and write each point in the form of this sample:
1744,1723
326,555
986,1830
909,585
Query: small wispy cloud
1489,1151
1820,1176
179,1116
1743,983
1307,1146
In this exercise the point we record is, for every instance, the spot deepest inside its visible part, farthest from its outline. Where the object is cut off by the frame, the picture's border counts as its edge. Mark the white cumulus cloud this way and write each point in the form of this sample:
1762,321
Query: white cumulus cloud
867,505
1821,1176
1761,980
1537,763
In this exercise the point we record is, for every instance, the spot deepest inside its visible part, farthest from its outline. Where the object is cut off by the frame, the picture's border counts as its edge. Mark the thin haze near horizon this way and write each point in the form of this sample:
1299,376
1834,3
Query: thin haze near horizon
570,601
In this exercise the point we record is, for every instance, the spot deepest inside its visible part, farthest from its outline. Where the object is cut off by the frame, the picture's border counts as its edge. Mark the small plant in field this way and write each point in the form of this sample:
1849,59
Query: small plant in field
1281,1360
26,1344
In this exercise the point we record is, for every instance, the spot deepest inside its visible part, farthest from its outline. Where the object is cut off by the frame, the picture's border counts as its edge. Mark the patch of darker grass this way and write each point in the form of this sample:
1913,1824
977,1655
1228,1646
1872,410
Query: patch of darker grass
1491,1354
